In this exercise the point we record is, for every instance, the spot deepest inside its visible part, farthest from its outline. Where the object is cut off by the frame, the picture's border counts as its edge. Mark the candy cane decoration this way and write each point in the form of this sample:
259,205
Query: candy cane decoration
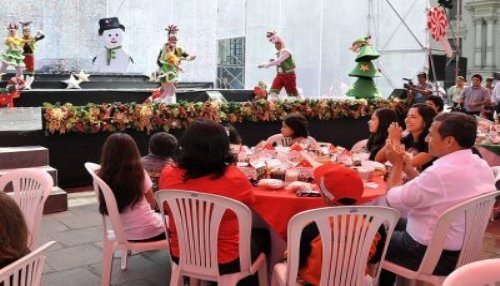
437,25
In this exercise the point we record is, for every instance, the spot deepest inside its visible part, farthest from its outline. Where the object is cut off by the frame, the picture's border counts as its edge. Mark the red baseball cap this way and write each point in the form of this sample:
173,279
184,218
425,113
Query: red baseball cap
338,182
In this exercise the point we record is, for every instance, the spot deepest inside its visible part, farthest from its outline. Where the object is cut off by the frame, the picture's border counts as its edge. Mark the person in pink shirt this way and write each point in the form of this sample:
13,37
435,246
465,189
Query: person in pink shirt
122,170
441,186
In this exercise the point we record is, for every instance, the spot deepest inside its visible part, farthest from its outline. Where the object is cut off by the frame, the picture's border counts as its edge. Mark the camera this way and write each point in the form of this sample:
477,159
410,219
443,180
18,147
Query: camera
409,83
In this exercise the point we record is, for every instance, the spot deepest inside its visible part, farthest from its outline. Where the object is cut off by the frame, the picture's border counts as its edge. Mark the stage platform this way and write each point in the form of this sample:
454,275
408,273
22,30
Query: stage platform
22,126
106,88
36,97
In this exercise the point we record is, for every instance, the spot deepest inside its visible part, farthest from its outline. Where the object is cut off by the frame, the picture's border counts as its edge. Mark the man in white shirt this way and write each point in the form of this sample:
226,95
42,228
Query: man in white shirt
441,186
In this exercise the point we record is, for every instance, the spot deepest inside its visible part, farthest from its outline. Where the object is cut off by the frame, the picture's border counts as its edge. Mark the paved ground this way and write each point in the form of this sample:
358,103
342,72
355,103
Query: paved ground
76,258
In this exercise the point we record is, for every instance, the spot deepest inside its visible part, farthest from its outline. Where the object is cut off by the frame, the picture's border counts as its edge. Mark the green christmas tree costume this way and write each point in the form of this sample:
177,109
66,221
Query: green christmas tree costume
365,70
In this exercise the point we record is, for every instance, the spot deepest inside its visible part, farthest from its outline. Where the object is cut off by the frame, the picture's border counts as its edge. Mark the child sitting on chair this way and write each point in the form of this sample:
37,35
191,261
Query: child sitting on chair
339,185
162,146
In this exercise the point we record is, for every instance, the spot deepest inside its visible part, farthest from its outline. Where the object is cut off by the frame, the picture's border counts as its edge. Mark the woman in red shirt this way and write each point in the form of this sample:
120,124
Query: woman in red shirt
205,164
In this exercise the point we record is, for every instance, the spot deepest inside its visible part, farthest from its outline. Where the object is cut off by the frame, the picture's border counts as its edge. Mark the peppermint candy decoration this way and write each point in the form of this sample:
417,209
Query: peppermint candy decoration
437,23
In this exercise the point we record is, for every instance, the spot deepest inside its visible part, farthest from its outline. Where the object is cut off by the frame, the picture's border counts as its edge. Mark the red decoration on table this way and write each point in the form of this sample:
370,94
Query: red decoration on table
304,163
296,147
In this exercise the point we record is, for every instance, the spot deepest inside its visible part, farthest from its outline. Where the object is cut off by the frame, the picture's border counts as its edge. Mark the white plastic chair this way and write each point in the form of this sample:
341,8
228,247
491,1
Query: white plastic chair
26,270
114,237
197,218
359,146
482,272
496,208
477,211
346,238
31,188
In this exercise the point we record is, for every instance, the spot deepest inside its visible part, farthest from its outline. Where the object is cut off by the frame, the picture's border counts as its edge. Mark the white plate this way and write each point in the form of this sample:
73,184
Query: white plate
374,164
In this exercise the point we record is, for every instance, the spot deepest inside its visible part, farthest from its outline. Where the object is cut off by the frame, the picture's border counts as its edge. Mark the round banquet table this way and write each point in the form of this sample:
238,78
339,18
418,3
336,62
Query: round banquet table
277,207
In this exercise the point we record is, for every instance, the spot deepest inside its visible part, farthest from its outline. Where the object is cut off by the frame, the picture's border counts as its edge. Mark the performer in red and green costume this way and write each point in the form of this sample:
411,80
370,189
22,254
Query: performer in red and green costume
29,52
13,56
285,67
169,63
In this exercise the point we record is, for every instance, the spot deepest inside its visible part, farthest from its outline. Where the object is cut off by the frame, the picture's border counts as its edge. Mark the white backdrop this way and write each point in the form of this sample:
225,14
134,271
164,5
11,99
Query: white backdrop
318,32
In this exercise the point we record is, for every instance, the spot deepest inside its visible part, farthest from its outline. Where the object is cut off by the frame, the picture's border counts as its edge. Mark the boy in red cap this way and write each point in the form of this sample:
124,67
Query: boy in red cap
339,185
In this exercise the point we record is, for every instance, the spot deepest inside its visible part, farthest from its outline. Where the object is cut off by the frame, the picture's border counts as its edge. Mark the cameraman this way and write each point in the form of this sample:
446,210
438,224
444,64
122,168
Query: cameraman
419,93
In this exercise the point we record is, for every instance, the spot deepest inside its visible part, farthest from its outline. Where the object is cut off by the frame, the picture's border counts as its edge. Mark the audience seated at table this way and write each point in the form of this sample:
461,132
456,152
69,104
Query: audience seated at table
161,149
122,170
418,121
14,232
436,102
342,186
438,188
206,164
235,141
379,124
294,131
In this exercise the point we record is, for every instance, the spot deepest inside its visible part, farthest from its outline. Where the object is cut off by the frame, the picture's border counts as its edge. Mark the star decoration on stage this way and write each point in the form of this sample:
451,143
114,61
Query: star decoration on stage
82,76
365,68
72,82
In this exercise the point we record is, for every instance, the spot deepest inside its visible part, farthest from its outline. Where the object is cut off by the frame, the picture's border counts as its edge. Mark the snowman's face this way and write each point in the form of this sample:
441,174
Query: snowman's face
112,38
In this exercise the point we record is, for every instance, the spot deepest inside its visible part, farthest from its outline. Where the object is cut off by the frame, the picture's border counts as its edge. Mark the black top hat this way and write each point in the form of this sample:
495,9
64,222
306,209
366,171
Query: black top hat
108,24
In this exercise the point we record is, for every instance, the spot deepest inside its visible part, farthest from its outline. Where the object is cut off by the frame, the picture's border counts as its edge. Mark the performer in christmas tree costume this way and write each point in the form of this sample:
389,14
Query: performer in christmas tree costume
29,52
285,67
168,61
365,71
13,56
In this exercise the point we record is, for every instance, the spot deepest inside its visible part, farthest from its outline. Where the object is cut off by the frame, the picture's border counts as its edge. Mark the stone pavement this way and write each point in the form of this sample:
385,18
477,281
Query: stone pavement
76,258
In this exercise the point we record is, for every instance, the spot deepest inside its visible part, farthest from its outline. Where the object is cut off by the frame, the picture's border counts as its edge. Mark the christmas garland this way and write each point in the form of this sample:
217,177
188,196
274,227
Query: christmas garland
111,117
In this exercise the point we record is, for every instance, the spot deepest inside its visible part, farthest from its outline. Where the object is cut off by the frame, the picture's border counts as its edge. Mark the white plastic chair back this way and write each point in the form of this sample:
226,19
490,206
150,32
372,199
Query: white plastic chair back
114,237
359,146
477,211
31,188
197,217
347,233
111,206
26,270
482,272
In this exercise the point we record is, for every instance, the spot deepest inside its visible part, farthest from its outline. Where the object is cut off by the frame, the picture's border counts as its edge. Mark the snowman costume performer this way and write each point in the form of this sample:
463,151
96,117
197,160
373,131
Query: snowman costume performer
112,58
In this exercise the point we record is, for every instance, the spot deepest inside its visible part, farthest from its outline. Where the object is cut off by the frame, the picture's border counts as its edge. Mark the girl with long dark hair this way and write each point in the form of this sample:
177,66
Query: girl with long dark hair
122,170
379,123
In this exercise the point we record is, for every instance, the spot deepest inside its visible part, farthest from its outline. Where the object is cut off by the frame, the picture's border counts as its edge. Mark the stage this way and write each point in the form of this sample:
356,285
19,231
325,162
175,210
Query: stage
23,125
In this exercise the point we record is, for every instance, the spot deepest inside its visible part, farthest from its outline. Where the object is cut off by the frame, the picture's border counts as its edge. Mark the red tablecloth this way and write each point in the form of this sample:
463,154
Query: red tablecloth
277,207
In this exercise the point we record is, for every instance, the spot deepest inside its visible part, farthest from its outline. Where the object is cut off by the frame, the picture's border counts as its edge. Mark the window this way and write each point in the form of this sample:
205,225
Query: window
231,63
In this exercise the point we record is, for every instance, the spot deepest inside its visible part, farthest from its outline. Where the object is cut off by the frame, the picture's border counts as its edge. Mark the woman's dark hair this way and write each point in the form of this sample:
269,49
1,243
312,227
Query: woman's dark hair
204,150
234,136
13,231
298,123
376,141
162,144
428,113
122,170
438,102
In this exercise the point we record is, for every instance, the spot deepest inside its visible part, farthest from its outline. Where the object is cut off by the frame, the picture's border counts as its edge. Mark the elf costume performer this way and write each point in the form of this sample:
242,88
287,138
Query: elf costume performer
13,56
169,63
285,68
29,52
